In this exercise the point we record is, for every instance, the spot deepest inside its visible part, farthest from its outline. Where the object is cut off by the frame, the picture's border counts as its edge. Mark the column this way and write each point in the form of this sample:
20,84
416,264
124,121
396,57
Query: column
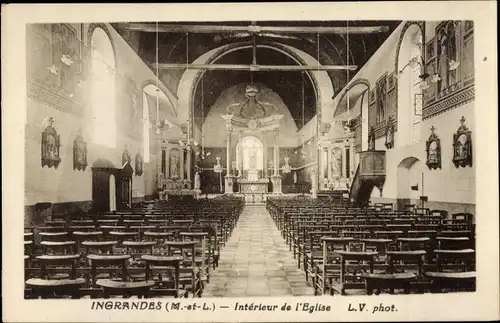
276,178
329,163
188,165
276,154
264,156
229,176
182,163
228,152
167,162
240,154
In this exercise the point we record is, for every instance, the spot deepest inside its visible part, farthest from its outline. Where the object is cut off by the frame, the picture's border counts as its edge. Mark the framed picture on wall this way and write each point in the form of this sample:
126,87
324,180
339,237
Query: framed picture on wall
79,153
433,148
51,143
462,146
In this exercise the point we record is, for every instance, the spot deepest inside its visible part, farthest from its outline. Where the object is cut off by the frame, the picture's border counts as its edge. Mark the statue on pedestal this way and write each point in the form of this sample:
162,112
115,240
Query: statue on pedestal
197,181
313,184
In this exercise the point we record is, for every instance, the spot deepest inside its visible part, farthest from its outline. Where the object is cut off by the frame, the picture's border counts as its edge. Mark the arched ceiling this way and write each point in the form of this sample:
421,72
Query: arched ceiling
354,94
173,48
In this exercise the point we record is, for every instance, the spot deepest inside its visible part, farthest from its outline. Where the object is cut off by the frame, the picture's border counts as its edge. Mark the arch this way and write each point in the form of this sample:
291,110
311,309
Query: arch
408,91
171,98
408,174
103,163
104,27
187,85
407,25
103,88
357,82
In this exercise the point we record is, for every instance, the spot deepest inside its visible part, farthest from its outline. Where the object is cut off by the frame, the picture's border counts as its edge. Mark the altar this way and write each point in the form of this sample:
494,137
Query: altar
253,186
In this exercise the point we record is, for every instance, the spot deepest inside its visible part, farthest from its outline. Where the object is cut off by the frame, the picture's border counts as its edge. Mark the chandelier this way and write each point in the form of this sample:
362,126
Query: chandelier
202,153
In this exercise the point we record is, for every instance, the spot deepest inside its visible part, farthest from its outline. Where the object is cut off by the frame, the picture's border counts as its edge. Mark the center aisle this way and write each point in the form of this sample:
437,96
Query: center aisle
256,261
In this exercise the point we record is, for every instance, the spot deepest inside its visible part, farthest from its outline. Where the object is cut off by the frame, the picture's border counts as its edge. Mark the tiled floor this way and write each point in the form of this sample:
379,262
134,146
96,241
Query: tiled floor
256,261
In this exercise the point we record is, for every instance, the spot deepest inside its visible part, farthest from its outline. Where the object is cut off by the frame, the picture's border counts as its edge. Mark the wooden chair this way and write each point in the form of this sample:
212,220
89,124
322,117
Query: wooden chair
126,289
203,254
80,236
351,276
165,285
329,268
59,288
450,277
136,249
54,236
58,247
190,277
121,284
56,266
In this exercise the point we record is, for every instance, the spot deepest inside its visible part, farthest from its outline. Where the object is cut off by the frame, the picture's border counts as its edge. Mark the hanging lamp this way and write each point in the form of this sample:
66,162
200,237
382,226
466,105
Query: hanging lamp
202,154
159,125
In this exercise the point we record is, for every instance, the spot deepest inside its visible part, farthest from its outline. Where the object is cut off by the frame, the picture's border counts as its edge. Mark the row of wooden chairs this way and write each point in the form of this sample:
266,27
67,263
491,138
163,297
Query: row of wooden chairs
342,247
103,259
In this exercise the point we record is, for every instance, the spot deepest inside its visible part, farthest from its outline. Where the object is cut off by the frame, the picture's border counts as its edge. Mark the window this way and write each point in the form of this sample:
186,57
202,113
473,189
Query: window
409,88
251,152
416,91
103,89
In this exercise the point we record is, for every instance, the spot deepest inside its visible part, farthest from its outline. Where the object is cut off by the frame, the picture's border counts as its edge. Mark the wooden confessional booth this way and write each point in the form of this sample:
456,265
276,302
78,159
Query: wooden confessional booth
103,177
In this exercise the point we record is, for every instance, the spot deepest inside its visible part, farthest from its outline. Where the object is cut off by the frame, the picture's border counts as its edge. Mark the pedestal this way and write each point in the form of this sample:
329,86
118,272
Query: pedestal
276,180
314,192
229,180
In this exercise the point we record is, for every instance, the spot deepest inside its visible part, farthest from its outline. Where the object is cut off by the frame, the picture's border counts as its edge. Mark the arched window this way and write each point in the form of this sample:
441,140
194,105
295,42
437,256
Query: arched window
250,154
416,97
409,87
103,89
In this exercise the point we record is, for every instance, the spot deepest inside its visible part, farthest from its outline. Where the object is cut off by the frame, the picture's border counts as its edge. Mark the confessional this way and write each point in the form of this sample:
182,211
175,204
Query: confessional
102,192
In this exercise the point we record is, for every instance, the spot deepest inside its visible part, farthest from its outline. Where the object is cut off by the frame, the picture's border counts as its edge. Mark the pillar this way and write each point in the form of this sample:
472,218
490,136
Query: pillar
276,178
228,152
240,154
229,176
188,165
182,163
264,157
329,163
276,154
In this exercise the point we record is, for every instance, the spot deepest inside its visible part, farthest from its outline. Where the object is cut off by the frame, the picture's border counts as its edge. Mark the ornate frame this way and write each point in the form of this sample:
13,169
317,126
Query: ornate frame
139,164
49,157
433,163
389,129
462,151
79,147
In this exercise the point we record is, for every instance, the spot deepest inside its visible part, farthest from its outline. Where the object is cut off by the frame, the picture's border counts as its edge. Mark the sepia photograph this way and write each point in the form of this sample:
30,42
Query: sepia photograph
170,160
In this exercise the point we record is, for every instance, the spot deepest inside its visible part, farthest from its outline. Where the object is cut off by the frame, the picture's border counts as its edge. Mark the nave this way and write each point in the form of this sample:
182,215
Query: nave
221,248
256,261
146,180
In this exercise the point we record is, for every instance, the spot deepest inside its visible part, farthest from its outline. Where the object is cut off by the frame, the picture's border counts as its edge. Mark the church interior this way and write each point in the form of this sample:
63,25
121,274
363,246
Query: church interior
251,158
